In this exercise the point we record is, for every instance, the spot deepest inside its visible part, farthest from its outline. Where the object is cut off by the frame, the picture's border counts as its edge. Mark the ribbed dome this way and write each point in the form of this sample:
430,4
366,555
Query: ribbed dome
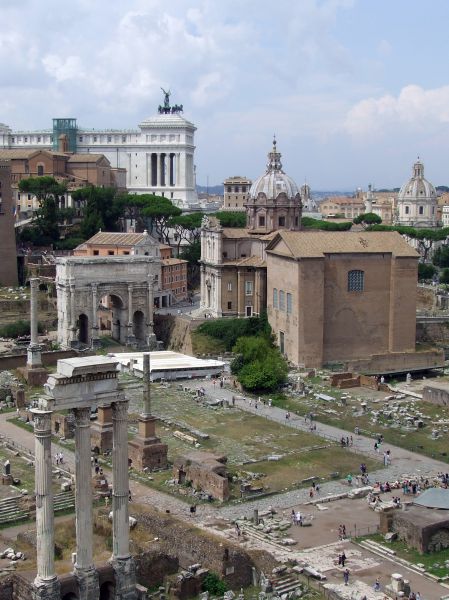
274,181
417,187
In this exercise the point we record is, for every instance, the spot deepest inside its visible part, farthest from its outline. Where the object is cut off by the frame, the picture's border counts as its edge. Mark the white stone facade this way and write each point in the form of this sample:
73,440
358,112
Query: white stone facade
417,201
128,282
158,156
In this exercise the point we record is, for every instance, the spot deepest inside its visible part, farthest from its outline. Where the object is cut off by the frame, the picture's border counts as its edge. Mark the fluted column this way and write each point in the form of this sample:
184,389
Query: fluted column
44,497
120,481
72,324
84,566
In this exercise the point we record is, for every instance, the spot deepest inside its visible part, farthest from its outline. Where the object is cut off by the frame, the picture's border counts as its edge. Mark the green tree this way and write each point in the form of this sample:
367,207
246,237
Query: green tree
367,219
311,223
231,218
100,209
192,254
187,228
426,271
213,584
258,365
441,256
149,211
47,192
444,276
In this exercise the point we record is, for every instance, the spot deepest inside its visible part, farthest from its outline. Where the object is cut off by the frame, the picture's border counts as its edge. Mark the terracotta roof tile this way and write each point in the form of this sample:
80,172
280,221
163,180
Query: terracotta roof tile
315,244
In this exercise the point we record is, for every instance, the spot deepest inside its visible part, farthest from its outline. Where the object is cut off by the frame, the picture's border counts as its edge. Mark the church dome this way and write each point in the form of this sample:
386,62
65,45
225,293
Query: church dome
417,187
274,181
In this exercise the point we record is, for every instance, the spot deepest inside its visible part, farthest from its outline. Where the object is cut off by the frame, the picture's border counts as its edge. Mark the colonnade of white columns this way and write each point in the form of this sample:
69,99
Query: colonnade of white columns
46,584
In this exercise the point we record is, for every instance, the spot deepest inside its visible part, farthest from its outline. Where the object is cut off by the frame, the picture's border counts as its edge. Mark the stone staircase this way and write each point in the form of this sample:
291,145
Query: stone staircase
11,511
285,584
63,501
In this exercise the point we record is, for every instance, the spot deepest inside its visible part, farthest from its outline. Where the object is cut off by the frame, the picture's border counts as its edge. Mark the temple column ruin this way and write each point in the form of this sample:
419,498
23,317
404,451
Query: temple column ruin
46,584
121,560
84,567
34,358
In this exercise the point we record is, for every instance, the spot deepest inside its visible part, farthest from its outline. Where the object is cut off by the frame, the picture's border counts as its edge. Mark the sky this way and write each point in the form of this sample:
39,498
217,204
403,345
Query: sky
354,90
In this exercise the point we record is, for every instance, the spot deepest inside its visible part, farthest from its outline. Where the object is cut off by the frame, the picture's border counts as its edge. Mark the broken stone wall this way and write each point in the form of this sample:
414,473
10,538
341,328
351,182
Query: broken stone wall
191,545
436,396
153,566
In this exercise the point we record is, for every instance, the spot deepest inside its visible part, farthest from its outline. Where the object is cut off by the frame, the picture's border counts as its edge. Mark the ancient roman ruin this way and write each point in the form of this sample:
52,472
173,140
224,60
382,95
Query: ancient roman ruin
79,384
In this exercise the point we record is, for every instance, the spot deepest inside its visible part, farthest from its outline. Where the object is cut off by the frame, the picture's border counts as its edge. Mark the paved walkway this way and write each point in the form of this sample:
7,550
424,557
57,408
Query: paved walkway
404,462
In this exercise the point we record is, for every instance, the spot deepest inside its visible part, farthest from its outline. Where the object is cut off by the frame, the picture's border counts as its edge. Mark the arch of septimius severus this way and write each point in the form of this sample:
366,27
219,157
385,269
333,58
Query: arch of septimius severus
127,281
80,384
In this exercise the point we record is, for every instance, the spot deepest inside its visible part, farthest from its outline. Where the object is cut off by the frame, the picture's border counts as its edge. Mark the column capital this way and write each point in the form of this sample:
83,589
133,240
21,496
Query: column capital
42,421
120,410
82,416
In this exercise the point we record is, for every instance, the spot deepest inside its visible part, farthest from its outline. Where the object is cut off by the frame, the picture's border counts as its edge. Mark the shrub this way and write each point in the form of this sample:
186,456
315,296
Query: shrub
17,329
425,271
259,366
444,276
214,585
231,218
229,330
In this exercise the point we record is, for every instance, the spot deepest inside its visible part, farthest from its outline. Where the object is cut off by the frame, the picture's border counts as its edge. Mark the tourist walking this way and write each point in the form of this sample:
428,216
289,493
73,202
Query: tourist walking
346,576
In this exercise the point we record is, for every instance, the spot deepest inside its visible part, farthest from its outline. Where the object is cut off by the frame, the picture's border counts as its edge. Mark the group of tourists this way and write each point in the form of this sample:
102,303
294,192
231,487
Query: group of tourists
59,458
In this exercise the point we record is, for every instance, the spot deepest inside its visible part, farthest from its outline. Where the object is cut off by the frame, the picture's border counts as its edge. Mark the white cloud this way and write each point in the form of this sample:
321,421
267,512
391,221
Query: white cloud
414,108
63,69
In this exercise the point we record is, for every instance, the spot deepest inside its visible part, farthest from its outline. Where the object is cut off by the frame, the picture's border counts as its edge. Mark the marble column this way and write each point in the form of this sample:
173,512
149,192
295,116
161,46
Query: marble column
34,358
151,338
46,584
72,325
240,282
84,567
158,169
121,559
130,338
94,329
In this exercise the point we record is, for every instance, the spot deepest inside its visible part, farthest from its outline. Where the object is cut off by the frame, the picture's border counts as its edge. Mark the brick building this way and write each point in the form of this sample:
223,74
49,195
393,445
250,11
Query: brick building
76,170
8,254
173,277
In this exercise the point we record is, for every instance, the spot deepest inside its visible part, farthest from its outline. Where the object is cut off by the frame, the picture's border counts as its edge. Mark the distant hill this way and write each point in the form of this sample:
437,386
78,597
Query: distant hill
211,189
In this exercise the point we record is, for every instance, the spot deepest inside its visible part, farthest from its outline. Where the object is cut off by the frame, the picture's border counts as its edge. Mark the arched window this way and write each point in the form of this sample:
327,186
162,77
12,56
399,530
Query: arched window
356,281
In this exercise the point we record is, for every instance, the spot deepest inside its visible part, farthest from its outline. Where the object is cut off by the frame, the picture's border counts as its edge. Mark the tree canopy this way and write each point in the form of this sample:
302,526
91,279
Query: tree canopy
101,209
187,227
47,192
311,223
149,211
367,219
229,218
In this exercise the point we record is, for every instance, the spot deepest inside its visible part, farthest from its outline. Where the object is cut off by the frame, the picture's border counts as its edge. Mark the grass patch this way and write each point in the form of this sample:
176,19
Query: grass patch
205,344
429,560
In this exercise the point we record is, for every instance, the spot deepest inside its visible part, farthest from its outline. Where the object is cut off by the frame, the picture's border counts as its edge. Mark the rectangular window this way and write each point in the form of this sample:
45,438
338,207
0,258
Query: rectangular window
281,221
38,138
281,300
289,303
109,138
261,221
95,252
421,210
81,138
111,252
248,288
407,210
229,286
275,298
95,138
123,138
282,342
356,281
229,305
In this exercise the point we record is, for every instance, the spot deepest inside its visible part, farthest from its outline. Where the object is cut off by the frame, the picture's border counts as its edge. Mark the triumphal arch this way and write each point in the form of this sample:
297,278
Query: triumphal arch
121,286
80,384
